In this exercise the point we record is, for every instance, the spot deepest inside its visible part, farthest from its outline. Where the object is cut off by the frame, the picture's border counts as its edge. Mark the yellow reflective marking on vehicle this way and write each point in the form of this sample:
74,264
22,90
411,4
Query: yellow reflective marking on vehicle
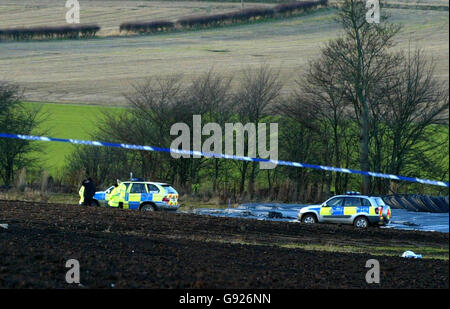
134,197
348,211
325,211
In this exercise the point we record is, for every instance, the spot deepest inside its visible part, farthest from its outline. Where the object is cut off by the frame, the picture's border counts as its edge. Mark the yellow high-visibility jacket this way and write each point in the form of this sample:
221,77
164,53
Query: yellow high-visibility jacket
115,195
81,193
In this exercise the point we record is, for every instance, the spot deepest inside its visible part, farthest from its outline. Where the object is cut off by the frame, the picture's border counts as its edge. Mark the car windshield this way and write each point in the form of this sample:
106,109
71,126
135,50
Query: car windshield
169,189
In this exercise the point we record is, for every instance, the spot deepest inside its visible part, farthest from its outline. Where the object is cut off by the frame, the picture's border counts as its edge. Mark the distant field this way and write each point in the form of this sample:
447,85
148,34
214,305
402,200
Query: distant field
107,13
67,121
101,70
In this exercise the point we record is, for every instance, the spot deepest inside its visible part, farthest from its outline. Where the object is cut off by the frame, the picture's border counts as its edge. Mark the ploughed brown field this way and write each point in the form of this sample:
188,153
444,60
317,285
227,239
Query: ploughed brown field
130,249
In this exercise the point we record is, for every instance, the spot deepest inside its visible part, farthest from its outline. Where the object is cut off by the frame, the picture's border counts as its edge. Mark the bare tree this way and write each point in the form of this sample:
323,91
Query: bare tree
259,88
413,107
15,118
155,105
299,138
322,91
362,61
210,96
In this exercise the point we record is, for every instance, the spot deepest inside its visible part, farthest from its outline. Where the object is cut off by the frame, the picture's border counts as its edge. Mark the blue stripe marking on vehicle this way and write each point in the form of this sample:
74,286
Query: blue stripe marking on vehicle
338,211
99,196
362,209
146,197
133,205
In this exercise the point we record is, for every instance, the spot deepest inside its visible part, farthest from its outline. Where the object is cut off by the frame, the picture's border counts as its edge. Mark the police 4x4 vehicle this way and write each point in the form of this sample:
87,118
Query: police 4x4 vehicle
140,195
351,208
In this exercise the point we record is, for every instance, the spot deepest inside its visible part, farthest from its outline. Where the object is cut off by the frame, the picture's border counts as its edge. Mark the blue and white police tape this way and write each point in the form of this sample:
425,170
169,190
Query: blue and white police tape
224,156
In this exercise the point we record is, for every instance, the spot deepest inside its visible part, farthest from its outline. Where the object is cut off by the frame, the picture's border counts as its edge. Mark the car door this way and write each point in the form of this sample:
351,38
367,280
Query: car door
133,198
154,193
332,210
351,208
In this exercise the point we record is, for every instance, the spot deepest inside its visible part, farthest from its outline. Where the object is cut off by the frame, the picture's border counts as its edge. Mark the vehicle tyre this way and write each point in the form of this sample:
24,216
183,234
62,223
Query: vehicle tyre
361,222
147,207
309,219
96,203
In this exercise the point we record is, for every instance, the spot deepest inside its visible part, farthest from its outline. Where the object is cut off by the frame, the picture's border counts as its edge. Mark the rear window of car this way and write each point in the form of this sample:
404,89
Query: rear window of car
152,188
169,189
379,201
365,202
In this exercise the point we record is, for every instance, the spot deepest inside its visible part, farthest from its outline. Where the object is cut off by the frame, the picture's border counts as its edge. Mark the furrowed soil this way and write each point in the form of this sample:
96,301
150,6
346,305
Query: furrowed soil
129,249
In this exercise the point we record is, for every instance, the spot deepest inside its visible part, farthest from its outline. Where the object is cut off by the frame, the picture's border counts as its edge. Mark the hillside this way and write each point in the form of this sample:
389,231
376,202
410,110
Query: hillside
99,71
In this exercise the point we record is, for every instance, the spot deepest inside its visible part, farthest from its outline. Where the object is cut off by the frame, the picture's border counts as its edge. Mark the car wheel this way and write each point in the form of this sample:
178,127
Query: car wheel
361,223
309,219
147,207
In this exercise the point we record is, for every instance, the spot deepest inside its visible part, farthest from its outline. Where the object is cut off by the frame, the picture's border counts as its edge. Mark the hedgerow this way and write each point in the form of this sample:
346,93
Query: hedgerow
244,15
56,32
143,27
293,7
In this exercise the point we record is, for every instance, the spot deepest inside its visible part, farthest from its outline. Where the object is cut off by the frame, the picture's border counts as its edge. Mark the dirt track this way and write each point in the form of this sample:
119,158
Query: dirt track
130,249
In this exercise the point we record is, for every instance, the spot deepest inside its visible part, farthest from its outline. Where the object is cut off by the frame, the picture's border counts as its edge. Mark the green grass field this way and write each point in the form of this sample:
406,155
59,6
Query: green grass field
67,121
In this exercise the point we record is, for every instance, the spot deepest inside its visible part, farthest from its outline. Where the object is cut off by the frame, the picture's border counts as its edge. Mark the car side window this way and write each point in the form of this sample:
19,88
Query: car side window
365,202
337,201
352,202
152,188
138,188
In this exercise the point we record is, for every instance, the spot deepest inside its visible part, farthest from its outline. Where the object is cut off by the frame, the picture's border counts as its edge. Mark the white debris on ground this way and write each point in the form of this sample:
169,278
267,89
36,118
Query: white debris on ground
5,226
411,255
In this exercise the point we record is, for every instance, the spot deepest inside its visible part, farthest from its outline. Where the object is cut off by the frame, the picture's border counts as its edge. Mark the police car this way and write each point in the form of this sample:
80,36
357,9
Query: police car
101,197
351,208
140,195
